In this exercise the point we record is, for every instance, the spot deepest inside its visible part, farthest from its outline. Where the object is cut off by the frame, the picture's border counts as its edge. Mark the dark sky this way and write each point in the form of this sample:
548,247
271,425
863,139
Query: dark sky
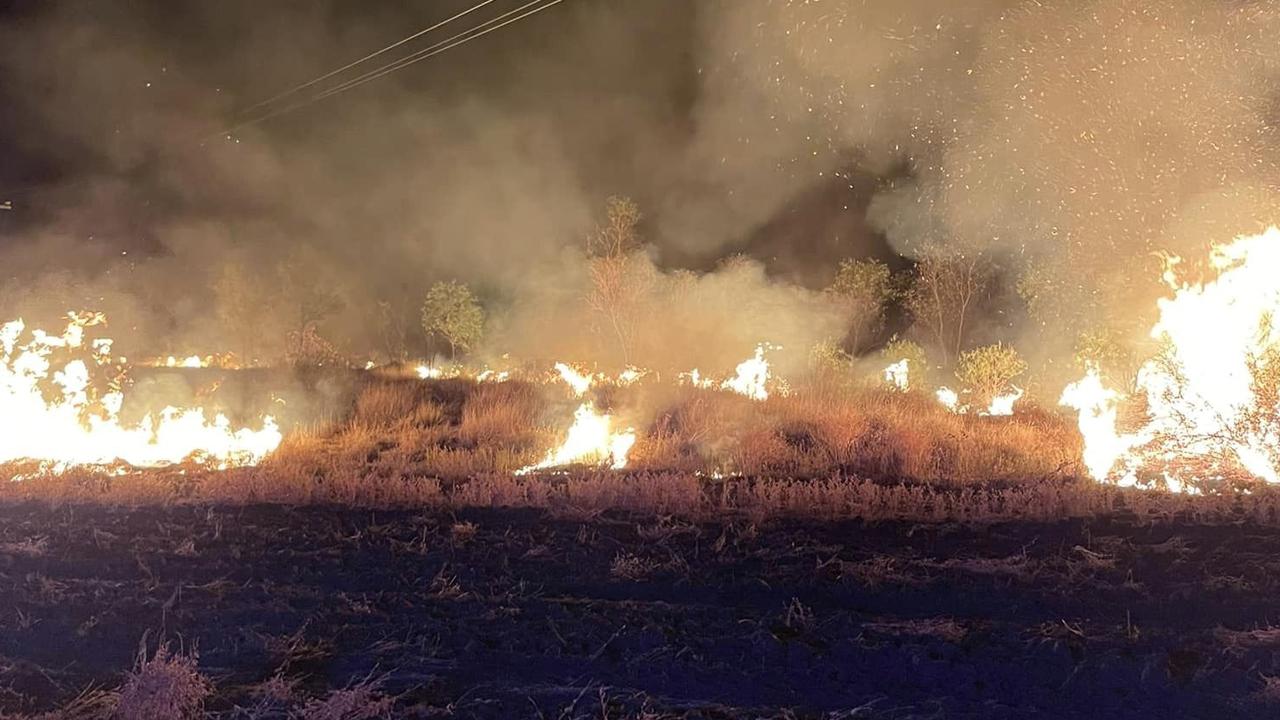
131,91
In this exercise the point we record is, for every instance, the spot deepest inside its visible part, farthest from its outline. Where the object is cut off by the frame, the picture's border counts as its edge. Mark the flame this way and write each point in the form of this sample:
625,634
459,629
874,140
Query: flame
227,361
751,377
590,439
426,372
898,375
1212,392
631,375
579,382
694,378
1097,407
73,429
1002,405
949,398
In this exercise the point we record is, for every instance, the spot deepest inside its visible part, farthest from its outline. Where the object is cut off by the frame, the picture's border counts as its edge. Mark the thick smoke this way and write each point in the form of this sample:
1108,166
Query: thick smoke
1075,138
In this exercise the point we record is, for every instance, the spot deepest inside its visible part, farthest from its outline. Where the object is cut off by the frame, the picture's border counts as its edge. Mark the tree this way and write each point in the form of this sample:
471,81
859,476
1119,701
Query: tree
620,278
393,327
864,288
237,305
452,312
947,289
309,286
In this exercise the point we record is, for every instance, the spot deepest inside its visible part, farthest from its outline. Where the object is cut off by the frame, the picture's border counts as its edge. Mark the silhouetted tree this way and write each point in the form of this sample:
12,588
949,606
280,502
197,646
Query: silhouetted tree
452,312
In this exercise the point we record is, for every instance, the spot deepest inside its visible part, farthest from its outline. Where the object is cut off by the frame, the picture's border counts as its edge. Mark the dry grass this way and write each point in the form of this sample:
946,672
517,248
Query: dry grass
822,452
164,686
681,495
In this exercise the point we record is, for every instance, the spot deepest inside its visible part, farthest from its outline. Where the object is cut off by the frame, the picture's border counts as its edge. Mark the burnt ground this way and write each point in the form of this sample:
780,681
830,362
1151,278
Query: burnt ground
508,614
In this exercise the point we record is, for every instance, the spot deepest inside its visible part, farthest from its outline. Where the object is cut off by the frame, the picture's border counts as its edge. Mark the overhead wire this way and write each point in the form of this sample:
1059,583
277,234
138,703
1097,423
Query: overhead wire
466,36
366,58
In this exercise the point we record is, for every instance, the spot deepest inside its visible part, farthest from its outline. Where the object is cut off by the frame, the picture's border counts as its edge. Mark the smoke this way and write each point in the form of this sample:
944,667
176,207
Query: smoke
673,321
1076,139
1073,137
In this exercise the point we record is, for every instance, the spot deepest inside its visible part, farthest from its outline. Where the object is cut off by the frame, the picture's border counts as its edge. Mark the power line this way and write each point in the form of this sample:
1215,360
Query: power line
370,56
459,39
437,48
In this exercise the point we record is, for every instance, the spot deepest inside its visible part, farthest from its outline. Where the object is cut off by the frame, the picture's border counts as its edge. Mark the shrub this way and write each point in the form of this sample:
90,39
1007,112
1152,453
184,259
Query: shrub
989,371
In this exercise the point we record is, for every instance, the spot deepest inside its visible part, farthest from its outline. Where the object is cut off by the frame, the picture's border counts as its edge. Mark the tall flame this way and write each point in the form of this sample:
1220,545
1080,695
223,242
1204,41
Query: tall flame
72,429
1213,392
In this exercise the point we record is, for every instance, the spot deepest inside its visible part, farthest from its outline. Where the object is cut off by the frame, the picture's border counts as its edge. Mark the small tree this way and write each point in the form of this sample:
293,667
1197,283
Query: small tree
393,327
452,312
237,305
619,280
948,287
829,359
864,288
309,289
989,371
1106,351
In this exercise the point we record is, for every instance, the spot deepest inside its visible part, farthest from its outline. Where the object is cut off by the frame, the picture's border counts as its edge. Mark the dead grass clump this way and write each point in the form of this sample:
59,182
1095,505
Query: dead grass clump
627,566
696,430
362,701
503,414
887,436
387,403
165,686
942,628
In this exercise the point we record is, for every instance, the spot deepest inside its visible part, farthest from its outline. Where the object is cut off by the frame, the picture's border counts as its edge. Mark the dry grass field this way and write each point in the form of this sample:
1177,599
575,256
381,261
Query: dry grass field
832,553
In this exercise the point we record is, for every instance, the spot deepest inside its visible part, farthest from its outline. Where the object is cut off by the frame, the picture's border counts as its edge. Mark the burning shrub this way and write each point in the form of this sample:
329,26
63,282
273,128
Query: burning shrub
898,350
989,371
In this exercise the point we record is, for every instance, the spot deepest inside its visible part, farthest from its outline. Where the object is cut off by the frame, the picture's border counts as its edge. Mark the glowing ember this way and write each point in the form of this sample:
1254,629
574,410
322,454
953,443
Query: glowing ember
590,439
1212,405
76,429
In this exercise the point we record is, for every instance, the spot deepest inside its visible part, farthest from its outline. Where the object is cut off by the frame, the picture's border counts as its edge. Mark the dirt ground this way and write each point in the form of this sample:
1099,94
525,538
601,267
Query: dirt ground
515,613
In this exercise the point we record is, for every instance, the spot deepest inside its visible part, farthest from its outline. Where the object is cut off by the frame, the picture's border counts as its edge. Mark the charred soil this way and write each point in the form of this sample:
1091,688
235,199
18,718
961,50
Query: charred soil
521,613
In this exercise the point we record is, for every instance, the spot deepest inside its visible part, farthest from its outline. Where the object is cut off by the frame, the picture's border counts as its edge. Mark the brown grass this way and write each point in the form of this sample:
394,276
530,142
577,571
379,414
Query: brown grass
823,452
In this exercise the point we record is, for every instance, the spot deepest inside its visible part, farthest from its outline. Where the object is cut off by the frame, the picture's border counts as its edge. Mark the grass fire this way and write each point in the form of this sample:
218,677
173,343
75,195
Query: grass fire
620,360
